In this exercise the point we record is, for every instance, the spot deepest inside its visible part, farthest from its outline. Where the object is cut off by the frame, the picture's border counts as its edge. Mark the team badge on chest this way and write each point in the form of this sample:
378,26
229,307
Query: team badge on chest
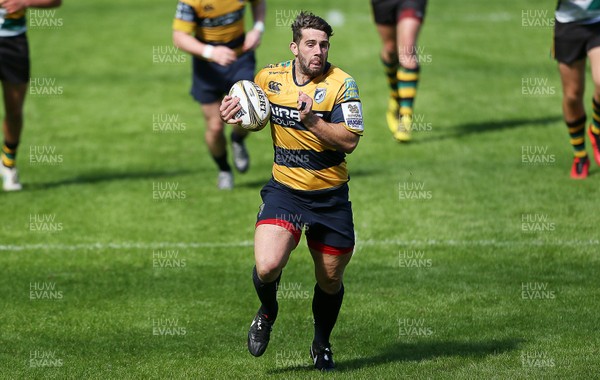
320,94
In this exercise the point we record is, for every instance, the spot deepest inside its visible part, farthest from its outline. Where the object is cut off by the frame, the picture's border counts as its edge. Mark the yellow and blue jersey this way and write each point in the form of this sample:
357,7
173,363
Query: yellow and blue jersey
216,22
12,24
302,161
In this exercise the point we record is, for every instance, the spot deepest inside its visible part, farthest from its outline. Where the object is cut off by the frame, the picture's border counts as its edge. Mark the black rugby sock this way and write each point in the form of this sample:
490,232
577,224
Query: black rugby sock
237,137
222,163
326,308
267,293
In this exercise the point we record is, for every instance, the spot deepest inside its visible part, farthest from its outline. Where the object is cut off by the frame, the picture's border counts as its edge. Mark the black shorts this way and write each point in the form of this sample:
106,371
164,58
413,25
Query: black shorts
389,12
211,81
572,41
14,59
326,218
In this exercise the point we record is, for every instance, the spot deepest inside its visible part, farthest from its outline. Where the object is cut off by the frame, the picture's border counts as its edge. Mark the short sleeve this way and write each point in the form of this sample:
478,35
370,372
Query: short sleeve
348,108
185,18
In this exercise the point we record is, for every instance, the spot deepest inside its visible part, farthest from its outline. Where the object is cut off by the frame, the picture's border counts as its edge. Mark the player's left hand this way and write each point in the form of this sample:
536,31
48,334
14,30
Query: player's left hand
228,108
252,40
13,6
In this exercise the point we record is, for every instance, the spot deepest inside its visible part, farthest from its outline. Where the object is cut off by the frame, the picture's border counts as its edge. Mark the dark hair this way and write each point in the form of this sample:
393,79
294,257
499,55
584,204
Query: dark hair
307,20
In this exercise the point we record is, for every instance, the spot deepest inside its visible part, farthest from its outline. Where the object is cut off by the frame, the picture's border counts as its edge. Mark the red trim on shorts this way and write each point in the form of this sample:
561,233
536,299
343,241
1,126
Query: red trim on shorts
410,13
285,224
327,249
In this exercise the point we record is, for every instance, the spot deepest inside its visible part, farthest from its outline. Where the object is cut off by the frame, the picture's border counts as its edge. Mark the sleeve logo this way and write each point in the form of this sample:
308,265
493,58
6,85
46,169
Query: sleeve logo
353,116
350,89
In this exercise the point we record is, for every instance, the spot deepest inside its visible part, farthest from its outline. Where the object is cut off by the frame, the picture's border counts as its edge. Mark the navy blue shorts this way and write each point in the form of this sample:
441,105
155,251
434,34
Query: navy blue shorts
211,81
326,218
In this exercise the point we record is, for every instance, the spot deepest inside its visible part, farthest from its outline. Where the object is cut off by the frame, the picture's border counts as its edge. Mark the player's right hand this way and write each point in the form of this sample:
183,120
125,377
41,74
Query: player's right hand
229,107
223,55
13,6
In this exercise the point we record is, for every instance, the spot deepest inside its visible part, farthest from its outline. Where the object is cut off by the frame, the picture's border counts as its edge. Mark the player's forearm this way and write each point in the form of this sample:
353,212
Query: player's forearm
259,10
42,3
335,135
188,43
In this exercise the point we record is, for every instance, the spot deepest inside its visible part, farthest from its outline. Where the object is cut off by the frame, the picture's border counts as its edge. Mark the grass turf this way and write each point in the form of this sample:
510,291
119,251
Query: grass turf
452,284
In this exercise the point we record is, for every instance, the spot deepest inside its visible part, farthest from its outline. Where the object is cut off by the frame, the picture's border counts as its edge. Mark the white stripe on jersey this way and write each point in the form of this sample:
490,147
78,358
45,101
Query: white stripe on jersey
581,11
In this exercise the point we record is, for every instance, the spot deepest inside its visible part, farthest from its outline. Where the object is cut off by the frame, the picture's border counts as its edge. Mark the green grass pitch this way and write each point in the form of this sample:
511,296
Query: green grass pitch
476,258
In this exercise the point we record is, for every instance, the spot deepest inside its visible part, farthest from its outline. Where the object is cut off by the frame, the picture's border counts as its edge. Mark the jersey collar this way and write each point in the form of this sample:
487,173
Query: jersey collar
327,67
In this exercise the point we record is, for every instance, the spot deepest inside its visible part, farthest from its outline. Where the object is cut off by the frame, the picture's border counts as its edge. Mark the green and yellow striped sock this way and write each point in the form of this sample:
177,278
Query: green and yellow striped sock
596,118
390,72
577,134
407,88
9,155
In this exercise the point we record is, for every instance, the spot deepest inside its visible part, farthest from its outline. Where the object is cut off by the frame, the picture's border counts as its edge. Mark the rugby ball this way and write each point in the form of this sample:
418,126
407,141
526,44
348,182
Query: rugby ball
256,109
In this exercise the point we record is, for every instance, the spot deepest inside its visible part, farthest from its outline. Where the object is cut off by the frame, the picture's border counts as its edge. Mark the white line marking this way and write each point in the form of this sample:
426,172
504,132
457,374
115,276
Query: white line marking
248,243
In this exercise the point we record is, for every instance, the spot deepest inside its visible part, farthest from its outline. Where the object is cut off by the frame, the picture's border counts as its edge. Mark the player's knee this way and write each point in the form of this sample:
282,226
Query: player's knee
574,93
215,128
390,51
330,283
573,98
214,124
268,270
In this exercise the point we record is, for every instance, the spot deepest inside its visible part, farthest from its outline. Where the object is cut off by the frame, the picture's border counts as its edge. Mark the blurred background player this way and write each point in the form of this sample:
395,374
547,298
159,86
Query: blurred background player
398,23
14,74
577,36
316,120
213,32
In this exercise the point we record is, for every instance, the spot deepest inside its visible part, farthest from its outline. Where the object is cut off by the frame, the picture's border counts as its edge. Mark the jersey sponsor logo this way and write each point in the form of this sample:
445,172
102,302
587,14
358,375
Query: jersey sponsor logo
287,117
353,116
284,116
283,64
320,94
274,87
208,8
351,89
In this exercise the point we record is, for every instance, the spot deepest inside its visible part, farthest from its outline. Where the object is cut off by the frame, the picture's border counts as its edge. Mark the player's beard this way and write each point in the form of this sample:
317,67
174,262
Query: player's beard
306,70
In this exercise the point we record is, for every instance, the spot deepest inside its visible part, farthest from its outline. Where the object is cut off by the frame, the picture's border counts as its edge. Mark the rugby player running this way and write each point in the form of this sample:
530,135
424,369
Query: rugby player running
316,120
